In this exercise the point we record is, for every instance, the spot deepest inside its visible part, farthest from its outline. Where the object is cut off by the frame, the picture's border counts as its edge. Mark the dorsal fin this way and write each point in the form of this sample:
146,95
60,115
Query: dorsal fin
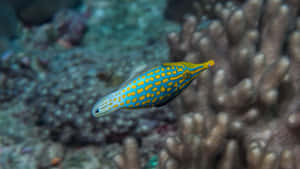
135,73
173,64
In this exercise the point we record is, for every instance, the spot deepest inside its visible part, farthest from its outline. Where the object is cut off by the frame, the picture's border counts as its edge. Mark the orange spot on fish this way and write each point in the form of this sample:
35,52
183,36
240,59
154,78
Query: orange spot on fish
154,100
134,100
162,89
148,87
149,74
157,83
141,83
140,90
131,94
142,98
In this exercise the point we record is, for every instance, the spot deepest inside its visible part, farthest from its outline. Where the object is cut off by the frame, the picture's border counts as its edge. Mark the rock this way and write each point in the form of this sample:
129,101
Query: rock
8,21
39,11
87,158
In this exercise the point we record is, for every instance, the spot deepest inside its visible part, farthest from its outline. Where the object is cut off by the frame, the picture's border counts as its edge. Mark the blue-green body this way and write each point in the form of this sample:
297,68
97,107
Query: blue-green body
154,87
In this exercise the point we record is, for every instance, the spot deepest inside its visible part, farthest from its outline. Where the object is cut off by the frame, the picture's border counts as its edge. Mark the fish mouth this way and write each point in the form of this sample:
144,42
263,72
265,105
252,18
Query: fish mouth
210,63
100,114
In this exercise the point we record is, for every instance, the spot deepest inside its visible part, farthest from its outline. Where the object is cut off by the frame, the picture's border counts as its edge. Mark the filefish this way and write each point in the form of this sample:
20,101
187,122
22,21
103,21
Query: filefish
154,87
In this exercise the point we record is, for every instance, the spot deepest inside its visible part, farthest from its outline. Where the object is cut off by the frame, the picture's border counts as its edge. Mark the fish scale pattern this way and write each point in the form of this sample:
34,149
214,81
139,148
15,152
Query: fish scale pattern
154,87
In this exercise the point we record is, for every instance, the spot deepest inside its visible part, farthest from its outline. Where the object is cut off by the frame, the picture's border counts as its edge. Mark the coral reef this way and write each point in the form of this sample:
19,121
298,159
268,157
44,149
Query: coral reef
200,146
257,70
66,29
15,68
202,9
67,82
70,25
249,102
61,105
37,154
255,82
200,142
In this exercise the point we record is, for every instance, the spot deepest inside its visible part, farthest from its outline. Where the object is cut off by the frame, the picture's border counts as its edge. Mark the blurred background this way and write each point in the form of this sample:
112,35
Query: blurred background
58,57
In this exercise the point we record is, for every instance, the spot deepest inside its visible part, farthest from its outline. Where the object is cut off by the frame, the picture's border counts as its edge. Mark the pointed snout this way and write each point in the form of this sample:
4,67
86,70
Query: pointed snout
210,63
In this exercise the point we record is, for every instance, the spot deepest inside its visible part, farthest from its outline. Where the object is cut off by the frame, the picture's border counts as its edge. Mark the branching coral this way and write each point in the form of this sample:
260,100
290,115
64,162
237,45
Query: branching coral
199,143
250,51
129,159
259,158
176,9
200,146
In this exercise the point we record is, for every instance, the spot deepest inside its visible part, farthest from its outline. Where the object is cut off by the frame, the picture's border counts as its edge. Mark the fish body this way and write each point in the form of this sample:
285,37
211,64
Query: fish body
154,87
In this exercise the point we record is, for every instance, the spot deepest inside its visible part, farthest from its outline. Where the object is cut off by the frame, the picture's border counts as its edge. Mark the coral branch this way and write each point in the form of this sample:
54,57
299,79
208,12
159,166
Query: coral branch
129,159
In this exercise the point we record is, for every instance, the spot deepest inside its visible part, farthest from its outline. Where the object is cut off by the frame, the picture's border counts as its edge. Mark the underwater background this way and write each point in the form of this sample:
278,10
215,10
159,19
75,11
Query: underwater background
59,57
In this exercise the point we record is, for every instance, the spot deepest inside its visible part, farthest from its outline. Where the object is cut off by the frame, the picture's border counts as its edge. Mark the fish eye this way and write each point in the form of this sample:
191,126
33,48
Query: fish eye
96,112
186,75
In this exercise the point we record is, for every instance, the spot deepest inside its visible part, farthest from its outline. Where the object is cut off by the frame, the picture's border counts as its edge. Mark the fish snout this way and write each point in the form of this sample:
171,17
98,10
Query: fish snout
100,110
210,63
96,112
